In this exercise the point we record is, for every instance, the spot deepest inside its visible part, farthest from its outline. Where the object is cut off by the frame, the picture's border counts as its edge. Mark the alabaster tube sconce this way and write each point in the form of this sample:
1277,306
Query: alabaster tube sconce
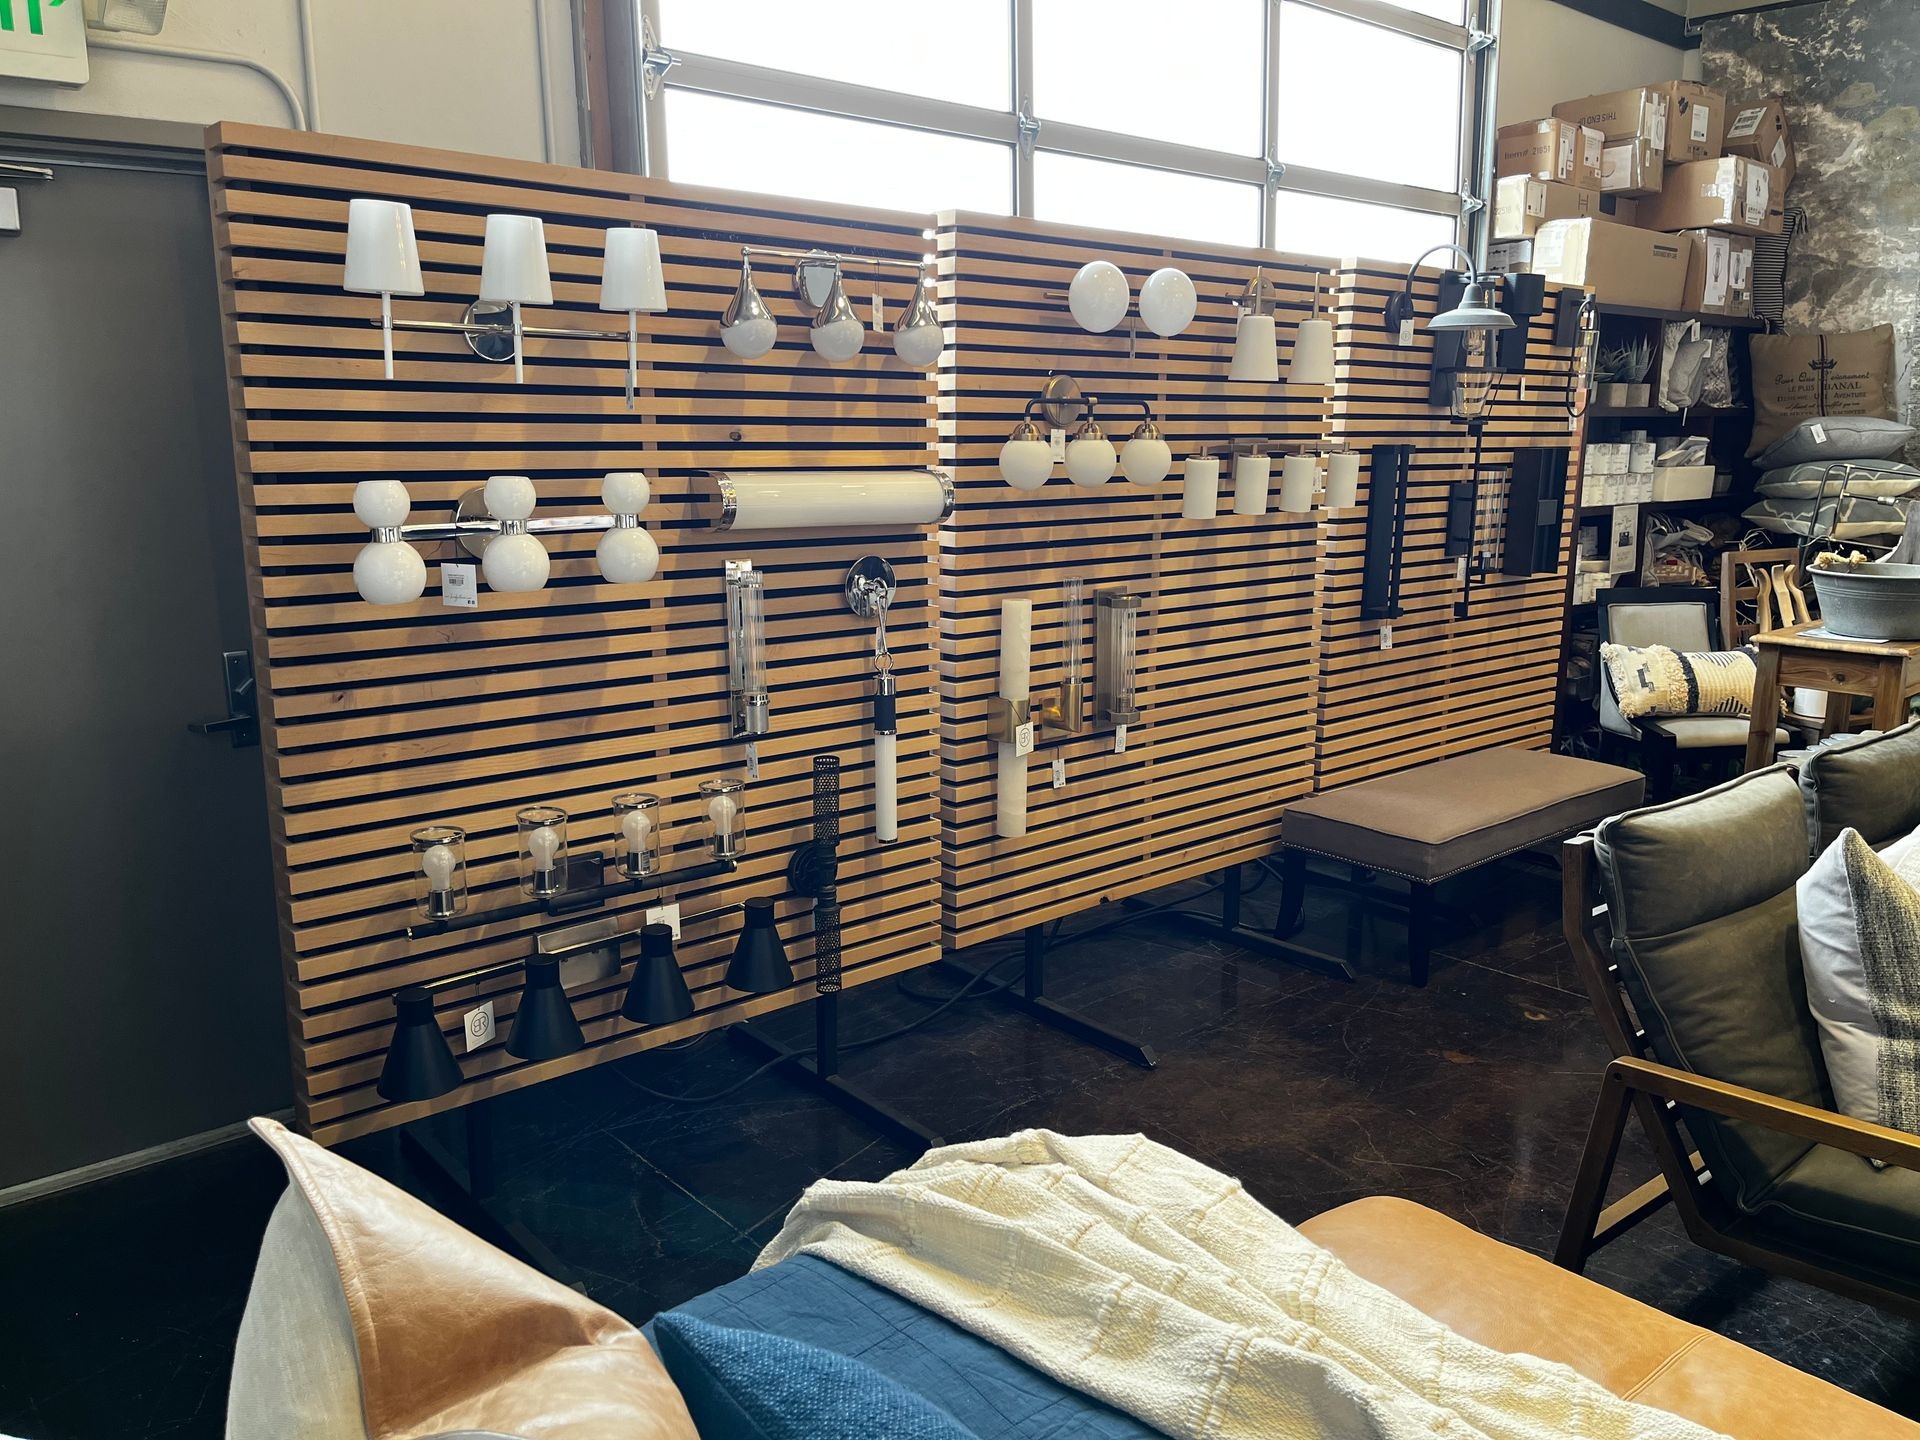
1015,688
828,499
1200,488
1343,479
1297,476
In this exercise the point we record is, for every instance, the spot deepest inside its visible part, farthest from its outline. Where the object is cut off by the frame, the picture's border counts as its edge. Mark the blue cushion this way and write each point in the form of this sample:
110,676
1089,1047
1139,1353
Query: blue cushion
755,1386
994,1394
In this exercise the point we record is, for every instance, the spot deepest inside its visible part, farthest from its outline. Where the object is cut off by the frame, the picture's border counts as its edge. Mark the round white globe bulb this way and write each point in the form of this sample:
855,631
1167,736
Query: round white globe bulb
515,563
750,339
1099,296
509,497
626,492
838,339
543,844
389,574
628,556
1145,461
1168,301
381,504
919,346
1090,461
437,862
1026,464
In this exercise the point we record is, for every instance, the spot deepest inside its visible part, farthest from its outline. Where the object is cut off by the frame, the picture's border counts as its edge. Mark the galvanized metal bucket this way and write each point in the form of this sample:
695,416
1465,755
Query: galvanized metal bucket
1869,602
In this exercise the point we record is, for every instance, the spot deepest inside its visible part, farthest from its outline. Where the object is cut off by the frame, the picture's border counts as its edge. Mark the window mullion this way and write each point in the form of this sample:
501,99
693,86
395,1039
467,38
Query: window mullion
1023,106
1270,132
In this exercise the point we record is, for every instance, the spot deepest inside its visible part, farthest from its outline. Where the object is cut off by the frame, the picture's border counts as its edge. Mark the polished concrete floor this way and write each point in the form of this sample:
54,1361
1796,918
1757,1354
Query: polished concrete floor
118,1304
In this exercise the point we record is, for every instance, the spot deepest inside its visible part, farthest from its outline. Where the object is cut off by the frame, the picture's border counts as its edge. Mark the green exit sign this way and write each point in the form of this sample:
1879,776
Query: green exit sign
44,40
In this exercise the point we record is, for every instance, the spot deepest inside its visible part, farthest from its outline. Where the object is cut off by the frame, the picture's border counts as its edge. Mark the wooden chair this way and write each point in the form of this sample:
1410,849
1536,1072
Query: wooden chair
1740,1165
1740,599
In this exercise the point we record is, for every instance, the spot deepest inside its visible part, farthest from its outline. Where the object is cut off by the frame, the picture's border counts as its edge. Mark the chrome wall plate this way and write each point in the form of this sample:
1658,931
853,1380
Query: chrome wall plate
1061,401
491,335
813,279
870,586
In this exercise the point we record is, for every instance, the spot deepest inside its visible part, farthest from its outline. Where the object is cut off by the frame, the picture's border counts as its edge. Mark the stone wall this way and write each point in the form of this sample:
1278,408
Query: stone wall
1850,72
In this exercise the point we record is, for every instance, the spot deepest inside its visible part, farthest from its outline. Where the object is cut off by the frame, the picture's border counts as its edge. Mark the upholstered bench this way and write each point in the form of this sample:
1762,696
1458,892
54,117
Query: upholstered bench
1438,820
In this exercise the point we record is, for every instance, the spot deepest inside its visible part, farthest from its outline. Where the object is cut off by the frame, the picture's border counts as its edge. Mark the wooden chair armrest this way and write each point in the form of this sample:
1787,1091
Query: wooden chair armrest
1788,1117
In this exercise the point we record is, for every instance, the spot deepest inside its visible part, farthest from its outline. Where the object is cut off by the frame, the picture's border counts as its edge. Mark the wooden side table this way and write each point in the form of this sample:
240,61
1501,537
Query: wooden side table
1887,670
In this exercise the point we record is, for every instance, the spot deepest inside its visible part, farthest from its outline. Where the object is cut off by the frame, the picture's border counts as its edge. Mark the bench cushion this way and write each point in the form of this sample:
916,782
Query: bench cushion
1869,782
1437,820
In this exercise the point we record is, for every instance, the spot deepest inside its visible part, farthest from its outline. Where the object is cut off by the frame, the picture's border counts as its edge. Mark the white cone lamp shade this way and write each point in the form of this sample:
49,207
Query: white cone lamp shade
1312,360
747,327
1090,458
631,280
1168,302
836,333
1026,461
387,571
1146,458
1256,351
383,258
513,562
1099,296
513,271
627,554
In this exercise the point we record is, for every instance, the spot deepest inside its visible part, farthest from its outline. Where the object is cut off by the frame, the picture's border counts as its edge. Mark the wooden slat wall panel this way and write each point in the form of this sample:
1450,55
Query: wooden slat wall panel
1446,686
376,720
1229,637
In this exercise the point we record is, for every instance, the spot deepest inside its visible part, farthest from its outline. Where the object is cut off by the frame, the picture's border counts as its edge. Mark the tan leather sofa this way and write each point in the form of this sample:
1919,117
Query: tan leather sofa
1514,1301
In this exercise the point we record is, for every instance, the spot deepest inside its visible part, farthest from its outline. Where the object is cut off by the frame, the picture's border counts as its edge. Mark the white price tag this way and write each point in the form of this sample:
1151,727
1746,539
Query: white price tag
753,761
1059,771
1460,570
460,587
1702,121
879,312
665,915
1023,739
1523,389
1386,637
1119,739
477,1025
1406,331
1058,440
1819,434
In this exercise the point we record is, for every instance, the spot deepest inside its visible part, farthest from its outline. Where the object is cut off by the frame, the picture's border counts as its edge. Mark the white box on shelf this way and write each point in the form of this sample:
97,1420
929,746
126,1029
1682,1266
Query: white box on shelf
1683,482
1640,455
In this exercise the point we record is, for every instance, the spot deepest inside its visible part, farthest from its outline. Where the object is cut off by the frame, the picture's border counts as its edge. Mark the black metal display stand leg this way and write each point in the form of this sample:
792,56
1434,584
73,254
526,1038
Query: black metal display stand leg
466,1192
1233,928
1031,999
819,1072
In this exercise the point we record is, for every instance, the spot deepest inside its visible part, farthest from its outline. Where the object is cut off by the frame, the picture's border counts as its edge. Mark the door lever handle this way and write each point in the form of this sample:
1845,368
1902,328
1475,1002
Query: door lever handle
242,722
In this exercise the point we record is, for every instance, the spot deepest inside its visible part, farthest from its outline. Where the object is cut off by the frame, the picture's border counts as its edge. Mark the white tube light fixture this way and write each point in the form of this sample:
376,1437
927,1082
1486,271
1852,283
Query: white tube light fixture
1200,488
387,571
631,280
513,272
514,562
746,649
1343,479
1016,675
1297,476
829,499
1252,477
383,258
1116,657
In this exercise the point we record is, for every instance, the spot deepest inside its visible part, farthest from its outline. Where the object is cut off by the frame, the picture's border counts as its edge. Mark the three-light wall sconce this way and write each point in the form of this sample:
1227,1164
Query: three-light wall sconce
383,258
495,522
749,330
1026,459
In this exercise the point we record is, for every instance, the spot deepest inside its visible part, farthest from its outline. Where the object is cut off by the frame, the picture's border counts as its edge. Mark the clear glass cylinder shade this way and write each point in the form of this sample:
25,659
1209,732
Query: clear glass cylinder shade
1070,667
1473,382
543,850
746,635
638,841
1126,624
440,871
723,804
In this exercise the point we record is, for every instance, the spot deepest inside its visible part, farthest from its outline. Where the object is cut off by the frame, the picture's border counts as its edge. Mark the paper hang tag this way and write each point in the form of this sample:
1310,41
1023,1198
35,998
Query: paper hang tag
753,761
1023,738
1702,122
460,586
1406,331
1057,438
1386,637
1059,771
668,915
1119,739
879,312
477,1026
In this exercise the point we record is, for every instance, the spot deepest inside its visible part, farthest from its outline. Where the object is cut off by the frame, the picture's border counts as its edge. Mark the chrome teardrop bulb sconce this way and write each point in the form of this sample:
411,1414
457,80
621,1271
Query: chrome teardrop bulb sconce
834,329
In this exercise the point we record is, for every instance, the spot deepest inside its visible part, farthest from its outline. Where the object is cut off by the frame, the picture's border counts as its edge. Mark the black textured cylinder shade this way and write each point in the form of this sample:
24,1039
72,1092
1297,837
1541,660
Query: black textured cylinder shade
544,1028
657,994
759,965
420,1063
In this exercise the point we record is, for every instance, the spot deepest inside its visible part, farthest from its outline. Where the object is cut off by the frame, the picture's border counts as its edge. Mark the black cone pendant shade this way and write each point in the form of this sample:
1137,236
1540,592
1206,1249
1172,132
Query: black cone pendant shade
657,994
420,1063
759,965
544,1027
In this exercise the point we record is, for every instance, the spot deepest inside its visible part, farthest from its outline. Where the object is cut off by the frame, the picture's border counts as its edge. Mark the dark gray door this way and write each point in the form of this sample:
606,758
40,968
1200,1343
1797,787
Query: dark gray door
139,974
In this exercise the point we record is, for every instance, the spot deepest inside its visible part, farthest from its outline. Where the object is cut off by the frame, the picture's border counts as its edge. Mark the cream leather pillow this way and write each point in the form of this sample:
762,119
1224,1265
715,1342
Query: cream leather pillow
373,1317
1860,948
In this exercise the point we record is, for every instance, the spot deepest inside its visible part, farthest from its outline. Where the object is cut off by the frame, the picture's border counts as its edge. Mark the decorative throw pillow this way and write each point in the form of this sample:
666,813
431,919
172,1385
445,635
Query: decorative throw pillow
1882,479
1850,517
372,1316
1826,438
1654,680
749,1385
1860,949
1806,377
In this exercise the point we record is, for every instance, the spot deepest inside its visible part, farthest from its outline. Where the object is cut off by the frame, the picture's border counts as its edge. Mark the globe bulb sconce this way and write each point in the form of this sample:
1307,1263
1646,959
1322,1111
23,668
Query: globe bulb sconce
1099,297
1146,458
513,561
749,330
627,554
1091,457
388,570
1026,459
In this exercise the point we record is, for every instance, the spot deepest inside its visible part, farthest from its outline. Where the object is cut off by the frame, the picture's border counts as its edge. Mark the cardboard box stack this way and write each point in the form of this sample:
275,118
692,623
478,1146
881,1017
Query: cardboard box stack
1667,219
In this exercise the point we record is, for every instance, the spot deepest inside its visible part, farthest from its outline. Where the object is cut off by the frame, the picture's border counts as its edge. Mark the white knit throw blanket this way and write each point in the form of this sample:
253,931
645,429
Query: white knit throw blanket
1134,1274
